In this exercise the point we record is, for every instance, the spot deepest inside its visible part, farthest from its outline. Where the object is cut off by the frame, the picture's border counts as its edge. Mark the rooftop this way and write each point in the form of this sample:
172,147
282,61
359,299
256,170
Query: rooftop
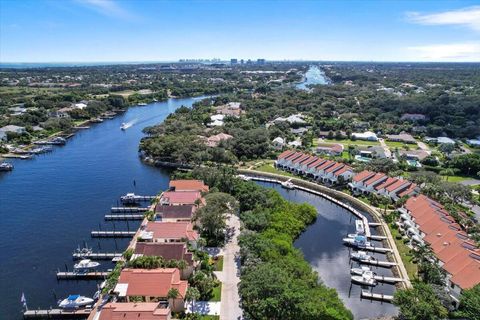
188,185
172,230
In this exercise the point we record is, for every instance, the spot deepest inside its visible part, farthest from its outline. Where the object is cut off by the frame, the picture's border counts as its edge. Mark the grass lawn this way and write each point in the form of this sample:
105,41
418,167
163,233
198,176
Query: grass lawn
400,145
124,93
456,178
347,142
209,317
268,167
217,293
412,268
218,263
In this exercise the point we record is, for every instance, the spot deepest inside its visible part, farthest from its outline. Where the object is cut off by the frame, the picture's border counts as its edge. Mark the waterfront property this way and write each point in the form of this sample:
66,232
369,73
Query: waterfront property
174,213
426,222
188,185
135,311
175,198
169,232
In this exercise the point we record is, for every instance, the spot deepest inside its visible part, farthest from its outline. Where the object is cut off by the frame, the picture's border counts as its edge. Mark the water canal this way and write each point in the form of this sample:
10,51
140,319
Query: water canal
322,247
49,205
313,76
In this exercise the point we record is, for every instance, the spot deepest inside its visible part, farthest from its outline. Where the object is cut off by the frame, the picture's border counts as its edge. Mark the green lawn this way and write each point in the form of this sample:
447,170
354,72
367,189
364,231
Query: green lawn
456,178
217,293
347,142
412,268
218,263
269,168
209,317
400,145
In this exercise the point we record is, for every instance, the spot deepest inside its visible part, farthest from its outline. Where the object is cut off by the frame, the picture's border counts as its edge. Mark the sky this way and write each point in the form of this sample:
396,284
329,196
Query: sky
150,30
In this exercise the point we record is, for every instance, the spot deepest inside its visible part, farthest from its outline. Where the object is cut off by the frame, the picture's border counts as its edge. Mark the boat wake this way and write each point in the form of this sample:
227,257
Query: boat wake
127,125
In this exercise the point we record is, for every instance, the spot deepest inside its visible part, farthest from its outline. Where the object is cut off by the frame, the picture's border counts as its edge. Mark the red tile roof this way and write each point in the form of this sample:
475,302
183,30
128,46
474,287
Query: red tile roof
285,154
469,275
363,175
335,167
342,171
316,163
300,159
134,311
409,191
175,212
188,185
309,160
294,156
397,185
169,251
386,183
377,178
180,198
172,230
325,165
152,282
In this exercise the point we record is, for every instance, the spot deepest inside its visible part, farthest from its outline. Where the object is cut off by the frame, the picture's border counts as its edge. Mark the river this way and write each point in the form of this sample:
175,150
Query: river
313,76
322,247
49,205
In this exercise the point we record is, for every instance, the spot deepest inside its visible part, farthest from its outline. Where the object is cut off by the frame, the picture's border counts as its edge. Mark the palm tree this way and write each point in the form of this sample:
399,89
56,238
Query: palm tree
192,295
173,294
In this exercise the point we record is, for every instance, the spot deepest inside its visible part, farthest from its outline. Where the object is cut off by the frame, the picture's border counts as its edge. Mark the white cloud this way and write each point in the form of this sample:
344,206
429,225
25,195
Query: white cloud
108,8
467,17
447,52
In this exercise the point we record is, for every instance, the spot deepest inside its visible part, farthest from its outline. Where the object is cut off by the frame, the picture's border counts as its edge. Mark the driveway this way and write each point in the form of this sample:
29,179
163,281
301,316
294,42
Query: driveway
230,276
423,146
387,151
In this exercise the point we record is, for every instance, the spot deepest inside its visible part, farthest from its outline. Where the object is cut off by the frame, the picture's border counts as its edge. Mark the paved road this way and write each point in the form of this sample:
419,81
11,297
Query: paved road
386,149
230,276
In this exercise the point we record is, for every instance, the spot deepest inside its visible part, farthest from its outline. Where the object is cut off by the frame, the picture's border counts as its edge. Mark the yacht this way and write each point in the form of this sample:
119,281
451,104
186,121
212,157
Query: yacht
359,271
5,166
86,264
288,184
362,256
124,126
367,279
358,241
359,226
75,301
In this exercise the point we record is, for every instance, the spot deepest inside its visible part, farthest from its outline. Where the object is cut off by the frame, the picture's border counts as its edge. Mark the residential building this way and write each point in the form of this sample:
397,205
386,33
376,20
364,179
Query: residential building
12,129
474,142
188,185
440,140
175,198
331,149
152,285
215,140
367,135
402,137
217,120
135,311
174,213
412,117
278,143
292,119
231,109
170,232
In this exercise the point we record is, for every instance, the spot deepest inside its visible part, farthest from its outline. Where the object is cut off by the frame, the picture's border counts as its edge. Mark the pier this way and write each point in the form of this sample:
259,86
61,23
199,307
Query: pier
133,198
111,217
95,275
97,256
376,296
128,209
112,234
57,314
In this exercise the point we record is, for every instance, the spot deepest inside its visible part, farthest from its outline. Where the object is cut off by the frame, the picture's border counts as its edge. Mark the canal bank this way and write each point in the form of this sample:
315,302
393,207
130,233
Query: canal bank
51,204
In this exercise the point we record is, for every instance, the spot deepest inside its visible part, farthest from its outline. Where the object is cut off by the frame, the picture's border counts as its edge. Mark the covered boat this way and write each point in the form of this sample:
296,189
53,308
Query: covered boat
75,301
360,270
367,279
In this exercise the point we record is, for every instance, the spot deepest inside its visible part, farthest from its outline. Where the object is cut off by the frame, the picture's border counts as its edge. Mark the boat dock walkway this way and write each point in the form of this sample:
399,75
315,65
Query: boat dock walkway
95,275
97,256
376,296
136,198
376,249
57,314
329,198
112,234
374,224
111,217
128,209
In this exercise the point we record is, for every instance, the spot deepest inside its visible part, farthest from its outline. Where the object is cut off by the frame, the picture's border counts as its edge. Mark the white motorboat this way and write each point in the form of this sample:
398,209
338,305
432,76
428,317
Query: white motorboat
358,241
288,184
5,166
142,104
361,256
124,126
359,271
86,264
75,301
359,226
367,279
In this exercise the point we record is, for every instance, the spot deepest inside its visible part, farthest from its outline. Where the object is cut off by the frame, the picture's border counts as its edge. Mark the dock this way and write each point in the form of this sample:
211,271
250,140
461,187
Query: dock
387,279
376,249
112,234
374,224
133,198
111,217
97,256
384,264
95,275
57,314
378,238
376,296
128,209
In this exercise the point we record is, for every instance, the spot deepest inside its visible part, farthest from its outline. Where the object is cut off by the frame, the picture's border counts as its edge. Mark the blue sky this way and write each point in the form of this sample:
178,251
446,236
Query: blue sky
149,30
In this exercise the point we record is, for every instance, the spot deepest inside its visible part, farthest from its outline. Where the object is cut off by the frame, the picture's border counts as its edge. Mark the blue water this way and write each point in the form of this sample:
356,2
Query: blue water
313,76
322,247
49,205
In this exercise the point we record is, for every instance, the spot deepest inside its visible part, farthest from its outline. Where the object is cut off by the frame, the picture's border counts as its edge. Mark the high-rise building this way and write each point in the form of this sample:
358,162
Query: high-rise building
233,61
260,61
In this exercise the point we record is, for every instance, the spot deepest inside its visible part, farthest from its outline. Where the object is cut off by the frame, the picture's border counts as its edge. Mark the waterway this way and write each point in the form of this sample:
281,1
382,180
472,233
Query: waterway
322,247
313,76
49,205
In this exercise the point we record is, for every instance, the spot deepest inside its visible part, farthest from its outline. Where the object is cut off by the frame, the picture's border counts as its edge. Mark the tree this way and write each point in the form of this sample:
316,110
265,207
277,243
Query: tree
470,303
447,173
446,148
192,295
419,303
173,294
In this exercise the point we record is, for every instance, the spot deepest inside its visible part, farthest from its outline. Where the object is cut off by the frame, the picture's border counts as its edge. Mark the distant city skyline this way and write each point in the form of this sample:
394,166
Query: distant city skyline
96,31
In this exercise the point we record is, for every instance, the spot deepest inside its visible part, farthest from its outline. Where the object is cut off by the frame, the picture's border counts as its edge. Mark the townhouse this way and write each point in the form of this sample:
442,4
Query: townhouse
188,185
426,222
170,232
180,198
174,213
135,311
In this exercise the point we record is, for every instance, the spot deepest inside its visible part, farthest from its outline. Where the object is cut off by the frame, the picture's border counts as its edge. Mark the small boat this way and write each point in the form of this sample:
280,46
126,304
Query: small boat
129,198
5,166
142,104
359,226
358,241
359,271
361,256
75,301
96,120
124,126
244,177
288,184
86,264
58,141
367,279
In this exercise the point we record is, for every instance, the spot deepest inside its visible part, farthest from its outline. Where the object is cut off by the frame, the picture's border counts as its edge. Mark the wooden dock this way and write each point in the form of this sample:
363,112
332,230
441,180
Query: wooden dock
112,234
57,314
111,217
128,209
376,296
96,275
97,256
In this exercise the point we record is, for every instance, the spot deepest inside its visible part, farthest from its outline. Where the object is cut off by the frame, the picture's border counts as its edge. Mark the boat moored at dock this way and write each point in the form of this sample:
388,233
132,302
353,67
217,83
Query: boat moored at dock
5,166
86,264
288,184
367,279
75,301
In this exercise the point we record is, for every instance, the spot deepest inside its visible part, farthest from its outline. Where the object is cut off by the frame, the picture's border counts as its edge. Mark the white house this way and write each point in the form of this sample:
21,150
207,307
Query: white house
13,129
367,135
278,143
217,120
